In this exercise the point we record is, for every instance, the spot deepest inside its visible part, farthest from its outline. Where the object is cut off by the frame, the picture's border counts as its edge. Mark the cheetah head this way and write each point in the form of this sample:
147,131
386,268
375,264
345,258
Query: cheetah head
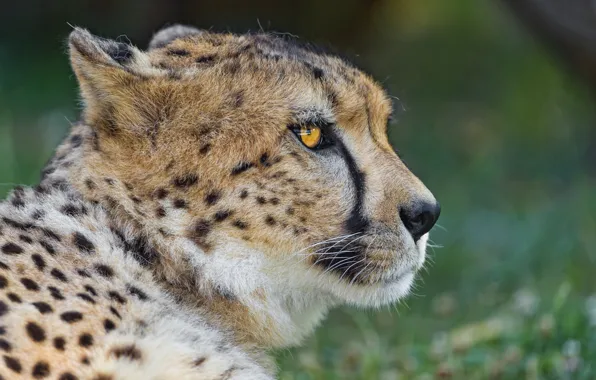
260,167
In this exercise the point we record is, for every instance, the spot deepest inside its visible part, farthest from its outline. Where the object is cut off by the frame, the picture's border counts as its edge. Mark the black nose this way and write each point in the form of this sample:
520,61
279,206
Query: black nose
420,217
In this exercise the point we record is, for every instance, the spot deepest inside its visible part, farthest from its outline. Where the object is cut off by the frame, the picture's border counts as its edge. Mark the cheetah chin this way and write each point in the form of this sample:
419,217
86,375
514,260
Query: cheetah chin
220,194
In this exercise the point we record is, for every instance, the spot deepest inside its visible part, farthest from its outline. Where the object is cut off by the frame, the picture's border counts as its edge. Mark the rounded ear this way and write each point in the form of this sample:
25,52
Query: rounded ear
171,33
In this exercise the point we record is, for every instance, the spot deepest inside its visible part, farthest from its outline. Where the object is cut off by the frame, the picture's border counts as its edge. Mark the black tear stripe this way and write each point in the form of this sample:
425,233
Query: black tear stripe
344,257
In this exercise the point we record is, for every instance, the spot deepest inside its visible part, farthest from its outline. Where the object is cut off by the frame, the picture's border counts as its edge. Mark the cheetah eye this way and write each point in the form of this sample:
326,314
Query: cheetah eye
311,136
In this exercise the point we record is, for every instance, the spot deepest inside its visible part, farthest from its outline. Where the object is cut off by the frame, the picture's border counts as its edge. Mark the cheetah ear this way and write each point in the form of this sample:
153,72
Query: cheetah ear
96,58
108,72
171,33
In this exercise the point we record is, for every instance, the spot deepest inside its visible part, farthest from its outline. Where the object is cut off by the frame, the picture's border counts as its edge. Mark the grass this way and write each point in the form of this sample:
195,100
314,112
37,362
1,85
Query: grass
528,337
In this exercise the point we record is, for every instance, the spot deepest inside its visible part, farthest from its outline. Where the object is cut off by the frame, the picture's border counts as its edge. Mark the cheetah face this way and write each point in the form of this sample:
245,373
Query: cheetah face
266,163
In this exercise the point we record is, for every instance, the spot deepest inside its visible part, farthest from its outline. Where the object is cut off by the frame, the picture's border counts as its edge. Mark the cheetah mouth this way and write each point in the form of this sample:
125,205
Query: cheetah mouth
371,259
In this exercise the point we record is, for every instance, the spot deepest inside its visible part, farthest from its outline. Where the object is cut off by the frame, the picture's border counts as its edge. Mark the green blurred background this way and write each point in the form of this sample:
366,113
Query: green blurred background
499,129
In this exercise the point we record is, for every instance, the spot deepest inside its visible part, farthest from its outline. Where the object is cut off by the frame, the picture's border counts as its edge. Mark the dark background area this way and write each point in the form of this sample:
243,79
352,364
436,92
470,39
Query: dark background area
495,113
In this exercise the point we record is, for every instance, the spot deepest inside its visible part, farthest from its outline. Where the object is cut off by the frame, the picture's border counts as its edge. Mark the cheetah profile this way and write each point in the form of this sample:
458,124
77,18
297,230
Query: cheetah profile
220,194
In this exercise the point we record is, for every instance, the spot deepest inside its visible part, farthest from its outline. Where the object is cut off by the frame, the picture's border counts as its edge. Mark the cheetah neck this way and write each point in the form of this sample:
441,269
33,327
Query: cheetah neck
259,316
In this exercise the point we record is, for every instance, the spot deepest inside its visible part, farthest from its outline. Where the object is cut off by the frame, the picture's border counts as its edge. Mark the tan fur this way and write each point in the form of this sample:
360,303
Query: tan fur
197,194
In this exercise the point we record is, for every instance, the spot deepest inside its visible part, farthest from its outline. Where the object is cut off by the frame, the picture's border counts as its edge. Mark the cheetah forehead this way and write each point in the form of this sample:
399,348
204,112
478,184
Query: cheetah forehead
322,81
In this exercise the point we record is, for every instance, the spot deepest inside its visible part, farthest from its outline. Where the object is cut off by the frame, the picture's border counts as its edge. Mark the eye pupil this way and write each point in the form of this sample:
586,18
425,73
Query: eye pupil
310,136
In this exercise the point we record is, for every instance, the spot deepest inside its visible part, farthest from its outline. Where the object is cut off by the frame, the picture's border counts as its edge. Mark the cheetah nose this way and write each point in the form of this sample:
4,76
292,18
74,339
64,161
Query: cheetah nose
420,217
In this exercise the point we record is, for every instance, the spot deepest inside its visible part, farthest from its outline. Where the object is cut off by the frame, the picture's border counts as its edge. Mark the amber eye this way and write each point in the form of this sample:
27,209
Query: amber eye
310,135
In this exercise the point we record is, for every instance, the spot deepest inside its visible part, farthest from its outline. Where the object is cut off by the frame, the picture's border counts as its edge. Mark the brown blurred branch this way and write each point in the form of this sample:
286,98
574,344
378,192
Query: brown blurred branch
567,27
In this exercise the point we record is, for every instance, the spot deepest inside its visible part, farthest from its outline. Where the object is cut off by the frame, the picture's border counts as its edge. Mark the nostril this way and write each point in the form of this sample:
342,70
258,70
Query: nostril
420,218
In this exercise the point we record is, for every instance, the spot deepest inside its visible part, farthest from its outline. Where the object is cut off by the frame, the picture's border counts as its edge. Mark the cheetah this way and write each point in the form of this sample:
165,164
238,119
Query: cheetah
219,196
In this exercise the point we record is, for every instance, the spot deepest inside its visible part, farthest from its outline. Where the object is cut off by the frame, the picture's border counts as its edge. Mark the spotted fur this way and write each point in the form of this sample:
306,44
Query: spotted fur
182,230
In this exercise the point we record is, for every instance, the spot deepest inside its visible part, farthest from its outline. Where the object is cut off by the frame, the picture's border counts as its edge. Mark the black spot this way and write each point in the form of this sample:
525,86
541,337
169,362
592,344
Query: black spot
142,251
238,99
19,191
47,171
55,293
13,364
40,189
136,200
317,73
179,203
83,273
60,185
243,194
199,361
264,160
212,198
30,284
205,148
179,52
68,376
160,212
201,228
161,193
43,307
115,312
85,360
270,220
50,234
5,345
137,292
3,308
38,214
108,325
41,370
76,140
120,52
39,262
104,270
205,59
185,181
17,202
86,297
25,239
261,200
3,282
71,316
12,249
240,224
274,201
59,343
111,202
242,167
3,266
222,215
58,274
129,352
90,184
48,247
116,297
17,225
35,332
86,340
90,289
14,298
82,243
71,210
